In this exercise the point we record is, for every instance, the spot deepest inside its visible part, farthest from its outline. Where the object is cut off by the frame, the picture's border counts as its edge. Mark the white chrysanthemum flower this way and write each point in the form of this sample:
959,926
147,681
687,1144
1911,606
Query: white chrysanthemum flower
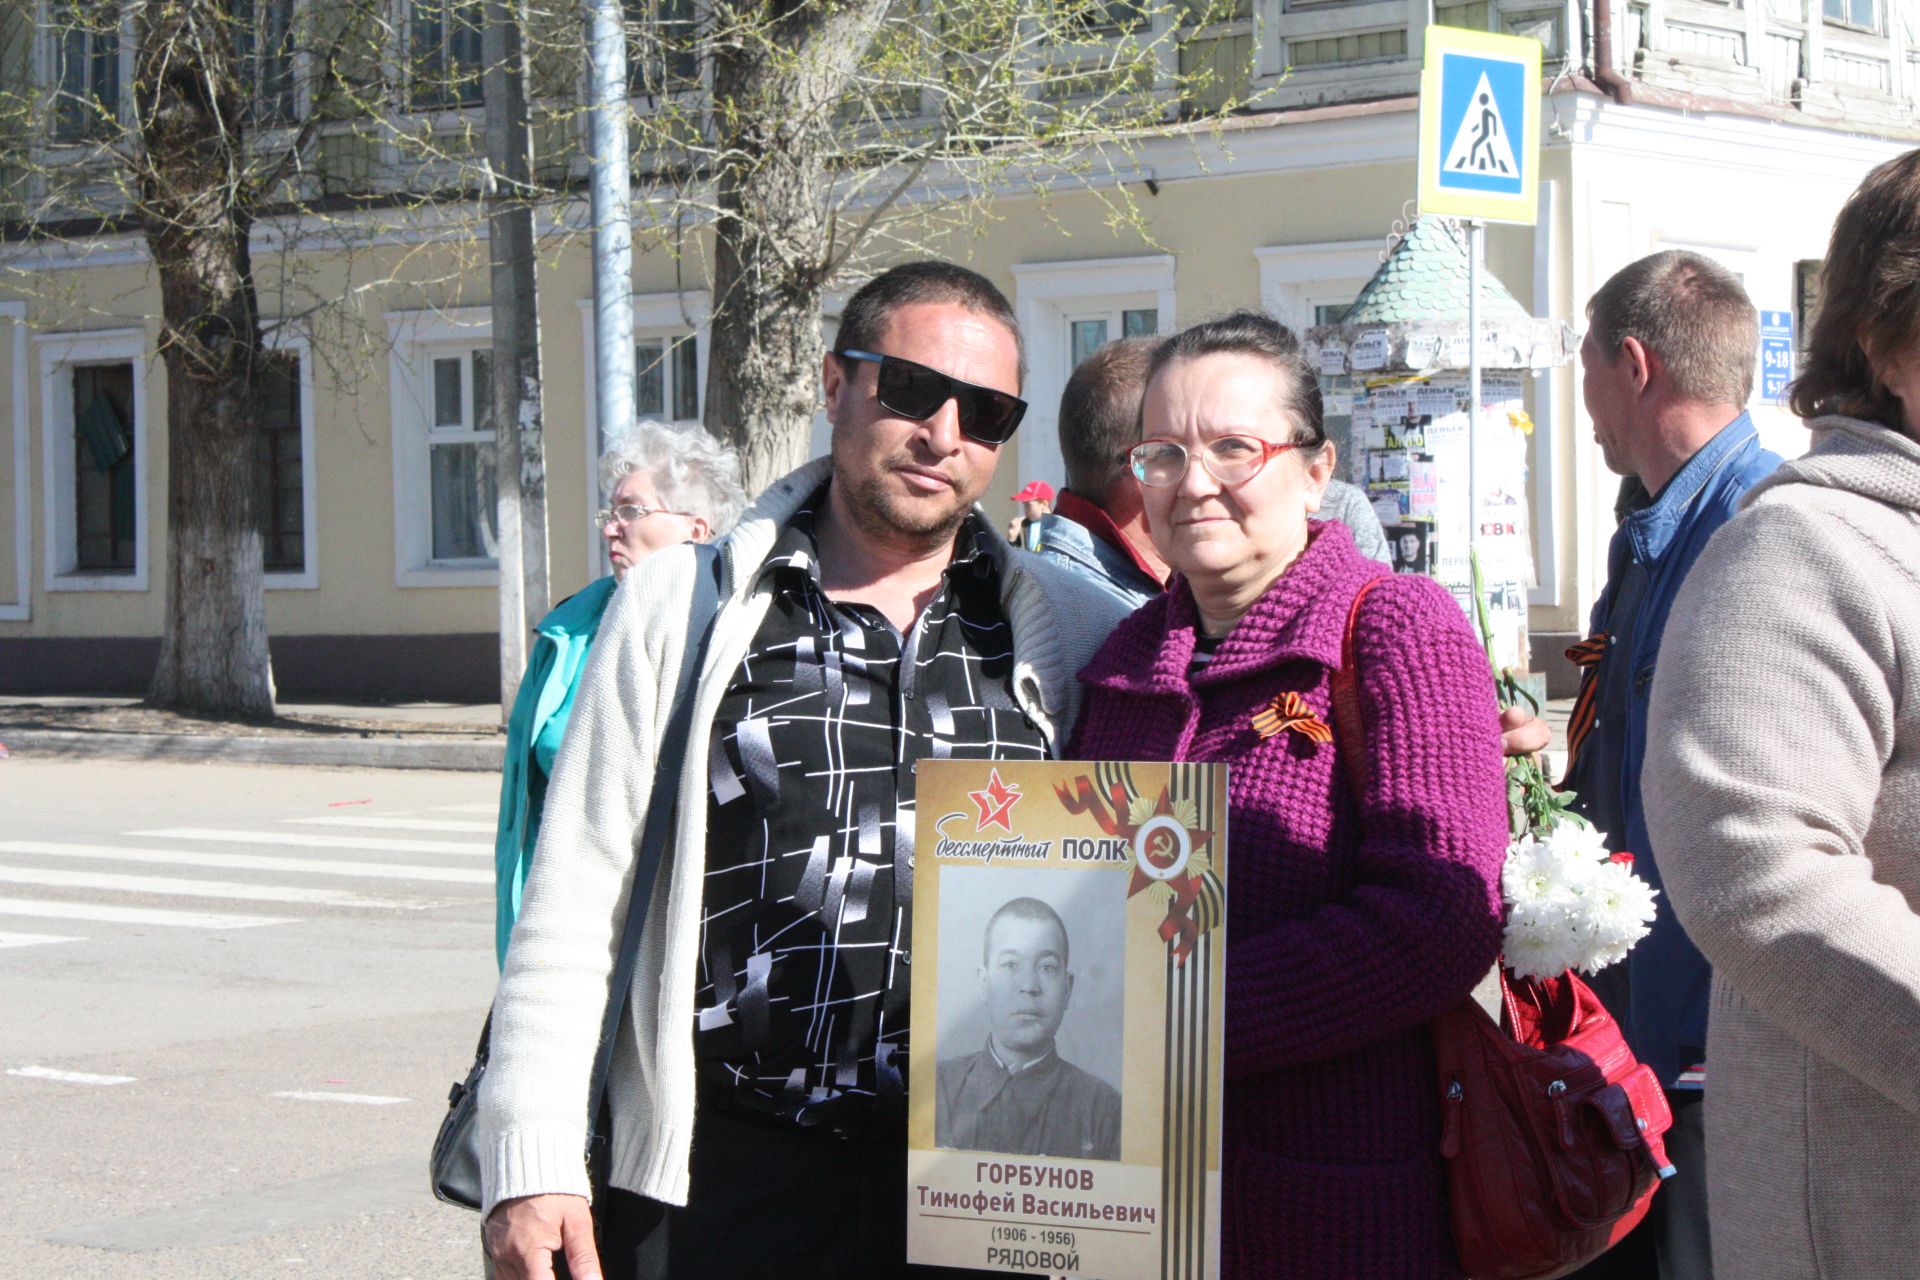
1622,909
1577,842
1531,873
1541,939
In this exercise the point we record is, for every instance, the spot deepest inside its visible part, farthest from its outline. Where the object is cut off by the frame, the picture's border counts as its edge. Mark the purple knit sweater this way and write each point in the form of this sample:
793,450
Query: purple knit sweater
1351,921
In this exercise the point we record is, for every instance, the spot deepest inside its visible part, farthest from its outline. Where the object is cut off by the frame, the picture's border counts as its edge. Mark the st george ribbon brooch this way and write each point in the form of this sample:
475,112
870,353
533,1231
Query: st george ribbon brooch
1290,712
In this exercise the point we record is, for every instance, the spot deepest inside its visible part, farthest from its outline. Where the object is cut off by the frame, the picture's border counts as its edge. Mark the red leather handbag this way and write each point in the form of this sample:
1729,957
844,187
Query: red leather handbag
1552,1129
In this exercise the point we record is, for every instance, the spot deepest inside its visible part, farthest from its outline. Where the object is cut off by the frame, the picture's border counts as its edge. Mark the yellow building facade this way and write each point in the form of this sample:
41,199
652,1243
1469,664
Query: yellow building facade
379,583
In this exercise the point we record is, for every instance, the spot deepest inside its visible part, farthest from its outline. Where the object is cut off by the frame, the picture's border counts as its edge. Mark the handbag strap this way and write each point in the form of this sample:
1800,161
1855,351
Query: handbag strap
661,808
1350,738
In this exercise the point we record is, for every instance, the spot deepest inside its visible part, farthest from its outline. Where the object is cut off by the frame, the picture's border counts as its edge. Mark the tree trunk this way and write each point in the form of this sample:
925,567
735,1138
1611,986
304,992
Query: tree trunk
196,216
771,251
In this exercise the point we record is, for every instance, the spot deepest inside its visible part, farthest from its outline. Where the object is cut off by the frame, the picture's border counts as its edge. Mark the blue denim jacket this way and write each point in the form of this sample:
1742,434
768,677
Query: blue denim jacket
1665,1013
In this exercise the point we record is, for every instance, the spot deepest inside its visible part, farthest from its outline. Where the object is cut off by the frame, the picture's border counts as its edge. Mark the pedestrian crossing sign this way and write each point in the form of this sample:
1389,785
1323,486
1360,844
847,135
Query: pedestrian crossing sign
1480,126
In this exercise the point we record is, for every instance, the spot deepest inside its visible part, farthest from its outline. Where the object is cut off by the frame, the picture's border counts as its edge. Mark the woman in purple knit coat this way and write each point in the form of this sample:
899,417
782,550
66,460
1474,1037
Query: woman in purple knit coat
1351,919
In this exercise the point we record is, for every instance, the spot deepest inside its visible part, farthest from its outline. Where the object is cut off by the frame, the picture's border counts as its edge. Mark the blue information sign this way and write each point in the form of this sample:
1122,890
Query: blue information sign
1482,110
1776,355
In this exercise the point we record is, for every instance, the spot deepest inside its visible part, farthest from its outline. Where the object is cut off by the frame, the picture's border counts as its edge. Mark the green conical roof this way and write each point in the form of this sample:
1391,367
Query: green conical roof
1424,282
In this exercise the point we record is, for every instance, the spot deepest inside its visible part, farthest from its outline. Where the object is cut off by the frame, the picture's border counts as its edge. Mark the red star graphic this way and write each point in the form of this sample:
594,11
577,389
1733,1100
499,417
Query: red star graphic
995,804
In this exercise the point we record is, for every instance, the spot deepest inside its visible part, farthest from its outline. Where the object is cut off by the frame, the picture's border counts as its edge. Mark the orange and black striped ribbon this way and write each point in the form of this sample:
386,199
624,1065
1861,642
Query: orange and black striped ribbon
1290,711
1586,655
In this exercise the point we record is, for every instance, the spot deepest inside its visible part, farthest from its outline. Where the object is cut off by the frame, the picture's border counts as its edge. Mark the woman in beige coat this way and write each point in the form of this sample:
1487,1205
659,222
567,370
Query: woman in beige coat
1783,792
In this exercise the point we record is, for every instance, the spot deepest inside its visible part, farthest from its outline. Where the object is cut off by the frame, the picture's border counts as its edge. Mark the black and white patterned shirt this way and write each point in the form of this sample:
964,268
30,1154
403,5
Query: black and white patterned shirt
806,938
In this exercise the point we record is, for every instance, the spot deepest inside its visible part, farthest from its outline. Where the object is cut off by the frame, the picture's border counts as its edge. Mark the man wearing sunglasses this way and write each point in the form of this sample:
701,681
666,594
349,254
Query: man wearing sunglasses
872,617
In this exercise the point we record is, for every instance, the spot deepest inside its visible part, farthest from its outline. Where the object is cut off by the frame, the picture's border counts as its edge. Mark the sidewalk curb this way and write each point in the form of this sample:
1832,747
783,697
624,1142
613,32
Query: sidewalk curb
343,752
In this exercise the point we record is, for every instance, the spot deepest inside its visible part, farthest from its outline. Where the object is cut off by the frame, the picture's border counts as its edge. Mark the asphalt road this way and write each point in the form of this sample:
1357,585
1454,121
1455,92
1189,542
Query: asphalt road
231,1001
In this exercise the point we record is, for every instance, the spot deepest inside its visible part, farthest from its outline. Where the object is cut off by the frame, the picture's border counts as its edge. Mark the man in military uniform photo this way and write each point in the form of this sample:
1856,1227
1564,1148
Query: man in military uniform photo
1017,1095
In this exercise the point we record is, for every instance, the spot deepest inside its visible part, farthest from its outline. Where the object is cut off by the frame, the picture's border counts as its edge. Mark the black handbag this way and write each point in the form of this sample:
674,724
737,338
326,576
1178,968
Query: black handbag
456,1159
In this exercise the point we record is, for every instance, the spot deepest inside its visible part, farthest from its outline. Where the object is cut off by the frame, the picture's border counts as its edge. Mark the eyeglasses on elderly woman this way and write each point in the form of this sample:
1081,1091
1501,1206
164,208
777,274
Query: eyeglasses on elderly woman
1236,459
627,513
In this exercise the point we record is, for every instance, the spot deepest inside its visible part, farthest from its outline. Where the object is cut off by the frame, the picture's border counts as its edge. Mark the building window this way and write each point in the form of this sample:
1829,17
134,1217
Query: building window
445,38
1541,24
263,44
1086,334
1068,310
85,41
1476,16
663,40
1367,46
280,491
460,458
1851,13
1330,312
666,377
104,469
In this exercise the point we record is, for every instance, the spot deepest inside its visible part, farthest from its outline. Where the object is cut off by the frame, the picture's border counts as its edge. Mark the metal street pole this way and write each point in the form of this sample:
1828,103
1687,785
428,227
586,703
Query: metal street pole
520,467
611,187
1476,244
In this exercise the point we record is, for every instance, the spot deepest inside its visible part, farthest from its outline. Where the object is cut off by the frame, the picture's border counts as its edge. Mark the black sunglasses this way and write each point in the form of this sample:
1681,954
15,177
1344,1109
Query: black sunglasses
917,392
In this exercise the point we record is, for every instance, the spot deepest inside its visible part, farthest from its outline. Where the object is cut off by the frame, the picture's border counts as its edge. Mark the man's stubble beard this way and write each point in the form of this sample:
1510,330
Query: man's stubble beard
884,516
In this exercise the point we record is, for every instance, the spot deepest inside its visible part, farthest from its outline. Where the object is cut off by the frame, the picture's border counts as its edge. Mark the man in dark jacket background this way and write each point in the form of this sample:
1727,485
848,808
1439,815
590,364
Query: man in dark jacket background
1667,366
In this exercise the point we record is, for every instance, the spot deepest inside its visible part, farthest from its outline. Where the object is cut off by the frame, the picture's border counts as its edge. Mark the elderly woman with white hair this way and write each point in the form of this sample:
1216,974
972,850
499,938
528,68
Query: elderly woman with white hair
663,485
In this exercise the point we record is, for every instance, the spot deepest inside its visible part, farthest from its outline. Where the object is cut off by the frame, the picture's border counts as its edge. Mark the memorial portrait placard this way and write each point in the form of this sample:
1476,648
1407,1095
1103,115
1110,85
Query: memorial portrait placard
1069,925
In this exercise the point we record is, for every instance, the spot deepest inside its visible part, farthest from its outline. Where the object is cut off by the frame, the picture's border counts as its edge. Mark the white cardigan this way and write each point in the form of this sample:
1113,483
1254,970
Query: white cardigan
552,995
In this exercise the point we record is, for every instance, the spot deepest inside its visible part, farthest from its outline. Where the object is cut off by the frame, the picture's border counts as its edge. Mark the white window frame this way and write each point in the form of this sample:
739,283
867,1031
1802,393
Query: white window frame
59,354
655,315
299,68
21,610
431,111
46,72
1046,294
415,338
1295,278
284,338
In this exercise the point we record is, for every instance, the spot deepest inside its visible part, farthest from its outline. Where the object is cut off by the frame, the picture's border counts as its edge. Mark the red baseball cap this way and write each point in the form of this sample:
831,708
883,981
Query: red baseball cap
1036,491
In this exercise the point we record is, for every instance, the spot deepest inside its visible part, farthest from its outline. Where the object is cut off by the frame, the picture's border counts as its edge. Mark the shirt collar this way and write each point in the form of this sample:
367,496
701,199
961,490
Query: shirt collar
1043,1060
1097,522
1651,529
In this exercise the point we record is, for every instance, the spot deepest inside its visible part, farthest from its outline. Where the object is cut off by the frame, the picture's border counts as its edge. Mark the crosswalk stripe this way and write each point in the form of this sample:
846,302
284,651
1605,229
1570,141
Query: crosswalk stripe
398,824
364,1099
132,915
183,888
248,862
298,840
31,939
67,1077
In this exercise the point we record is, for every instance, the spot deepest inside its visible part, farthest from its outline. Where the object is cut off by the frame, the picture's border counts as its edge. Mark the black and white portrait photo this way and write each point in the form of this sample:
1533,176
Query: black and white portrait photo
1412,547
1030,1023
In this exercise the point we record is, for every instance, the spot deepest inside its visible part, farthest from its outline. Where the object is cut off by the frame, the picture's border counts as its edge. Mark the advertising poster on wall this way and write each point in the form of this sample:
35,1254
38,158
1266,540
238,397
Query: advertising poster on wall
1415,462
1064,1095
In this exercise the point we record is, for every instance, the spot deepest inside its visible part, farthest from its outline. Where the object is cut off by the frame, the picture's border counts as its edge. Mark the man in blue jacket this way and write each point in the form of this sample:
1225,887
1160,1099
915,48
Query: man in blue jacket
1667,366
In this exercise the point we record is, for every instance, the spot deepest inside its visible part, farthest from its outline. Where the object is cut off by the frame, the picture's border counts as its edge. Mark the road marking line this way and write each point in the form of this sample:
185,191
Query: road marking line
320,842
184,888
66,1077
31,940
363,1099
399,824
248,862
489,807
132,915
